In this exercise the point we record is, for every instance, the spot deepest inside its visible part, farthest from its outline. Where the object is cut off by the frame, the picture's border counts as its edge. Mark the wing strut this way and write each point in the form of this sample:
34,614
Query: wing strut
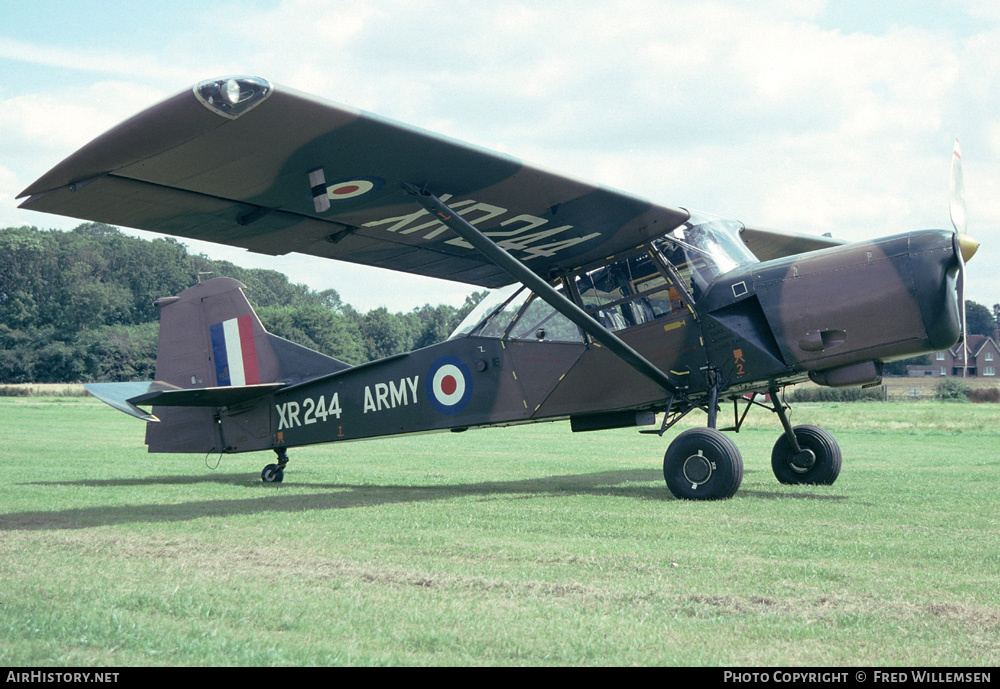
488,248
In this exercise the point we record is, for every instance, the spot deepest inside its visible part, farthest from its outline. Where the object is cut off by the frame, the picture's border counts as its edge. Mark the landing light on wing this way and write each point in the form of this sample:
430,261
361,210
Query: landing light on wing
233,96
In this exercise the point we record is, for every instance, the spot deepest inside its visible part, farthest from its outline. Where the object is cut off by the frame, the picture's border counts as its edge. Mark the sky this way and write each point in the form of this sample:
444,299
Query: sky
809,116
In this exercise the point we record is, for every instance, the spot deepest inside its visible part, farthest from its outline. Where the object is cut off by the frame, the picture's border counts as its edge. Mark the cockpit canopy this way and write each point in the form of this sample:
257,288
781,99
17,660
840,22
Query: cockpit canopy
651,282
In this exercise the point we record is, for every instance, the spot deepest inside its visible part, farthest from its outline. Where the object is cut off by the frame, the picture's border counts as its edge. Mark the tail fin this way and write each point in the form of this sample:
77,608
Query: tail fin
210,337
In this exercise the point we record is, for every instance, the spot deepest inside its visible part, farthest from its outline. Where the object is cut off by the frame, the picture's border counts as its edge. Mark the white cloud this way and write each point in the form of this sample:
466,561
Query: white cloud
765,111
10,185
145,67
987,10
66,119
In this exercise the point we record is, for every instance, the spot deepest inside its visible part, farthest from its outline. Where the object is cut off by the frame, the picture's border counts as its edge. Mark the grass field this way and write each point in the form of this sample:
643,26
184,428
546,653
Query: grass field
520,546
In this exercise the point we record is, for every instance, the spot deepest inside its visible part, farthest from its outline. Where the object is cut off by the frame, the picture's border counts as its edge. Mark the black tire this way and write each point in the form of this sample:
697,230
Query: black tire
703,464
823,472
272,474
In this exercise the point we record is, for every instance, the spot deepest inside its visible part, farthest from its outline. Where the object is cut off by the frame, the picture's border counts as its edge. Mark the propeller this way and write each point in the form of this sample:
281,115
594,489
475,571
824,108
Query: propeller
965,246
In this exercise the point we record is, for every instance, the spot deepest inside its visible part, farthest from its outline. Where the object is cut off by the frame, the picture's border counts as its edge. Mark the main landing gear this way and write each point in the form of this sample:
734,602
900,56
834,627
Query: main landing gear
275,473
704,464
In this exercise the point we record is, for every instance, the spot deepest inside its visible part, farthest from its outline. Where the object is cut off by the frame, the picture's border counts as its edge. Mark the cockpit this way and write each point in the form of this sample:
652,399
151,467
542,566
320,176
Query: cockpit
702,249
655,281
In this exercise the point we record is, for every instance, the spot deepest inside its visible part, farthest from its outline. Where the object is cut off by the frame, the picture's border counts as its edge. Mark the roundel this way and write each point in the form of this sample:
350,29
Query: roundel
350,188
449,385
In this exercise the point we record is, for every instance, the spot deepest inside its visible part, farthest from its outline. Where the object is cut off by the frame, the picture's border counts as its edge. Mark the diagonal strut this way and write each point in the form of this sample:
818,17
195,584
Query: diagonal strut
488,248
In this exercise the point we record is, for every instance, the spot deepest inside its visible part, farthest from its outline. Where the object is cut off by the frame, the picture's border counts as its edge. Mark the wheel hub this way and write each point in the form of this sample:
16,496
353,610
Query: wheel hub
697,469
803,461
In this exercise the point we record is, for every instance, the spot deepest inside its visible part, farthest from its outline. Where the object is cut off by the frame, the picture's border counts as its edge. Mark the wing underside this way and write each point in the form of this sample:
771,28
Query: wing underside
290,173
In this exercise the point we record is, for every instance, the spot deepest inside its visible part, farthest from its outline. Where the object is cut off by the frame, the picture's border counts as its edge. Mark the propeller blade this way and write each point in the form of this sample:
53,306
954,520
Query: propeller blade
957,191
965,246
965,344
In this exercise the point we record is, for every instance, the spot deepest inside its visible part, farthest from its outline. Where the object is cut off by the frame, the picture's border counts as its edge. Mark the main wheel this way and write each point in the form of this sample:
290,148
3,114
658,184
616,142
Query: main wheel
272,474
703,464
822,468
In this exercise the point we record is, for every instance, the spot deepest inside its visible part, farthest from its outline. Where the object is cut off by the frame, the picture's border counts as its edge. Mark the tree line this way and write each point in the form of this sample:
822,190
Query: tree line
78,306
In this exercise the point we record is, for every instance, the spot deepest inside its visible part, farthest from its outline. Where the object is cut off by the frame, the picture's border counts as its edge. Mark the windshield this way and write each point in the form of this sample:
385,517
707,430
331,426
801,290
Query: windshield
702,249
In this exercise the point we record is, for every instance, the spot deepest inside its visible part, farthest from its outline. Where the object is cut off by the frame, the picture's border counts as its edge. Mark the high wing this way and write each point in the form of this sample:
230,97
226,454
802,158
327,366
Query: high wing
243,162
770,244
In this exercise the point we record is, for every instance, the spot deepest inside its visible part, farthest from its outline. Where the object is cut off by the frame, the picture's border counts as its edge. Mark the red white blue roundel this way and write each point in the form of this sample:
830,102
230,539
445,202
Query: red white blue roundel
351,188
449,384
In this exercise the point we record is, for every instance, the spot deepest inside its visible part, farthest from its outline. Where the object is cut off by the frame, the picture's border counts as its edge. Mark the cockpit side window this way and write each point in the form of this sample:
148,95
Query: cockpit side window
515,312
627,292
539,321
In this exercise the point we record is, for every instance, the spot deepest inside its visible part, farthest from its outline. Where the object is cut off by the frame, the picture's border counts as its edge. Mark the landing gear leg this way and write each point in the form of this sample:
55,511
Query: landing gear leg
713,403
804,454
275,473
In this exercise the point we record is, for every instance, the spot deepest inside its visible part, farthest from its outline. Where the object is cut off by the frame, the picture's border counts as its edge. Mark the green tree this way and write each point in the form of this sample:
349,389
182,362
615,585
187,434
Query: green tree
952,389
385,334
118,353
318,328
436,324
17,356
898,368
979,319
78,305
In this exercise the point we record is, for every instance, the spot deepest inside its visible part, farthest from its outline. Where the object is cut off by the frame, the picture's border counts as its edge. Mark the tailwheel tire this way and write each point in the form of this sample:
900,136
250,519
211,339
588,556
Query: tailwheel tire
822,468
703,464
272,474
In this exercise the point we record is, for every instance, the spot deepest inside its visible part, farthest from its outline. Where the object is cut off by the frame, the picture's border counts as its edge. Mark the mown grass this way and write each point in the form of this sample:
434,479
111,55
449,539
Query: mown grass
42,390
519,546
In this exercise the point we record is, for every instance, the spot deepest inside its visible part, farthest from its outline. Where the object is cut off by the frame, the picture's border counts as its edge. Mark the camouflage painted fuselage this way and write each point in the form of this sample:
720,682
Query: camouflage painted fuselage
833,314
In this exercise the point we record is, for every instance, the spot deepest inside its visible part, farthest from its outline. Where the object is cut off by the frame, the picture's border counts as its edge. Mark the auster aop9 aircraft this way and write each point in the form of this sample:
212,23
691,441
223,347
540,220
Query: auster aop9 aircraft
610,309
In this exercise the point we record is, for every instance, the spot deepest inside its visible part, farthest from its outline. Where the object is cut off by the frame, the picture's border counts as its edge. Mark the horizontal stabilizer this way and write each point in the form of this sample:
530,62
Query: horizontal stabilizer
226,396
118,395
125,396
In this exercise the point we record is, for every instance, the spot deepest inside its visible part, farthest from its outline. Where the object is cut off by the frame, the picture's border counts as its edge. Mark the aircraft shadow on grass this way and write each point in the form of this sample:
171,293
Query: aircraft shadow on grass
341,496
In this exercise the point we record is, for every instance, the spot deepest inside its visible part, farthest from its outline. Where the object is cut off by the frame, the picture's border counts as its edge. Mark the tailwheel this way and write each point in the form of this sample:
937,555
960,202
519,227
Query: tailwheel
817,463
272,474
275,473
703,464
